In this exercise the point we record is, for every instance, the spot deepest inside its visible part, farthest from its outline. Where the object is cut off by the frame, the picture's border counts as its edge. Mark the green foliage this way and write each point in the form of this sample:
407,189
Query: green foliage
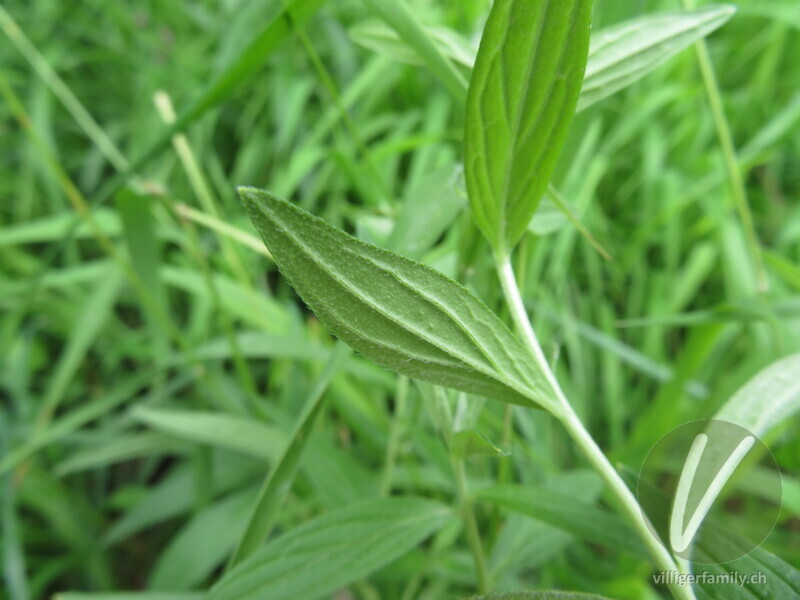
163,390
772,397
620,55
522,94
401,314
334,550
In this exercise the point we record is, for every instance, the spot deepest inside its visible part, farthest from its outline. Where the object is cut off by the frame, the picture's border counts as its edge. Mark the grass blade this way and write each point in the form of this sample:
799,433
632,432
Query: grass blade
246,64
397,15
216,429
270,498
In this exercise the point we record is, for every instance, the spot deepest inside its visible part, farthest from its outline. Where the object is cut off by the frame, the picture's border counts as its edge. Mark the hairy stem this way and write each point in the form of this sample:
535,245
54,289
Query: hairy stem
566,414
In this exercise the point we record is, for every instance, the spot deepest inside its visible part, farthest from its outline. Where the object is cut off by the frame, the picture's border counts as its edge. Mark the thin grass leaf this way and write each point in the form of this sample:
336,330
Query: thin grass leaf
55,227
275,32
276,487
77,418
333,551
120,449
521,100
85,329
398,313
14,563
189,558
216,429
379,37
398,16
174,496
129,596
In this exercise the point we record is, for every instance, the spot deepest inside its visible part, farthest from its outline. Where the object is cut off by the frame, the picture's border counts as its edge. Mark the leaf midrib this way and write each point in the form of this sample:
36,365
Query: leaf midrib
498,376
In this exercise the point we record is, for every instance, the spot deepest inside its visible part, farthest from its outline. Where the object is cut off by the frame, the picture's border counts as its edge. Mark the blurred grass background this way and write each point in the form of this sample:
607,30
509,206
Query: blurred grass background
153,360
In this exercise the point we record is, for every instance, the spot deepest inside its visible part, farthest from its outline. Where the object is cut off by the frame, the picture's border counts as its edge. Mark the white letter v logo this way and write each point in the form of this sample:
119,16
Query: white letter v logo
680,538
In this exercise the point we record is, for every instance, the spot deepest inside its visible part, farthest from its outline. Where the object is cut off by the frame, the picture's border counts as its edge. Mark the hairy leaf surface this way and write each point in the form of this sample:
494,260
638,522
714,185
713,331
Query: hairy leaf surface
332,551
624,53
401,314
521,100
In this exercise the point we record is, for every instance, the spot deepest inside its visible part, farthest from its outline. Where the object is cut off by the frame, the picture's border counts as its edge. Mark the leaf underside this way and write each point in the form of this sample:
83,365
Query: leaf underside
402,315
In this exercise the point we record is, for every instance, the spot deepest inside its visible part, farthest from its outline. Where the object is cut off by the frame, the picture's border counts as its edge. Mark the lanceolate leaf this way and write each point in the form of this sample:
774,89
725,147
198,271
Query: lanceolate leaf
399,313
771,397
521,100
332,551
620,55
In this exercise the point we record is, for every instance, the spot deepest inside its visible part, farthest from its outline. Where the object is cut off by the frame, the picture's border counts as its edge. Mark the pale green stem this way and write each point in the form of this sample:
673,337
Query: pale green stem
471,527
729,153
566,414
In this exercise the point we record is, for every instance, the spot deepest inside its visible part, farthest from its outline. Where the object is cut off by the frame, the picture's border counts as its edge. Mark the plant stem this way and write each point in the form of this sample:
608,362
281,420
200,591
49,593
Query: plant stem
731,161
471,527
566,414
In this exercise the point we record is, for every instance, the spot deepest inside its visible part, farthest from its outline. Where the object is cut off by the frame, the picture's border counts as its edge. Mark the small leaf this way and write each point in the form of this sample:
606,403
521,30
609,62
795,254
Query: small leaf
622,54
521,99
466,444
772,396
401,314
332,551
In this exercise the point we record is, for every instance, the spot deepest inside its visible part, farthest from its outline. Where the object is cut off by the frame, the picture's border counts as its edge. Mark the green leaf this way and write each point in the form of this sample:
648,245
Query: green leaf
120,448
401,314
332,551
97,309
539,595
765,575
466,444
128,596
293,13
216,429
189,558
279,480
521,100
421,222
568,513
769,398
379,37
625,53
398,16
